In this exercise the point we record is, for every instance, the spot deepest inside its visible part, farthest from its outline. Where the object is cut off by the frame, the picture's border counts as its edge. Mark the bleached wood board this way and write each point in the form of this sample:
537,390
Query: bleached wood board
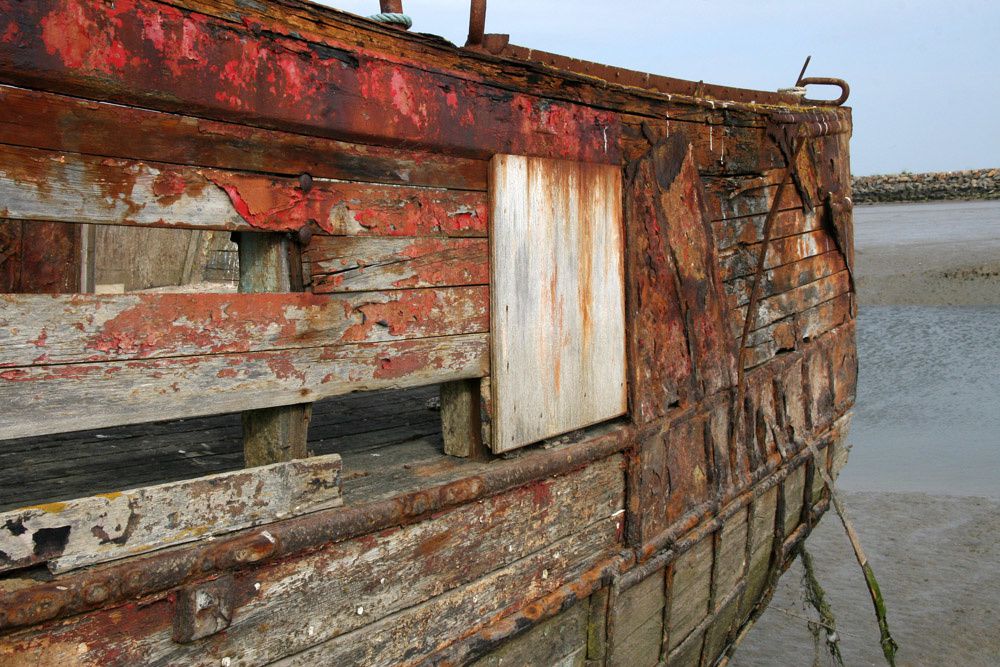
557,297
109,526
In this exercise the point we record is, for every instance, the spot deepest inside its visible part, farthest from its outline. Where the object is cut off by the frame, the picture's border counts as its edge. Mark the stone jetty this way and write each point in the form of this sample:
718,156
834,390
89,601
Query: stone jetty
969,184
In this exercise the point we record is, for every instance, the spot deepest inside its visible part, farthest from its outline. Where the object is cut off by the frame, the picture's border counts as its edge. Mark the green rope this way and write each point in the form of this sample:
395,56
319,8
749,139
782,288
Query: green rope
397,19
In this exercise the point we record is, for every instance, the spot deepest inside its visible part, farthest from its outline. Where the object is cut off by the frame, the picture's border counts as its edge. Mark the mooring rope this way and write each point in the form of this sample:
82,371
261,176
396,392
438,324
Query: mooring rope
393,18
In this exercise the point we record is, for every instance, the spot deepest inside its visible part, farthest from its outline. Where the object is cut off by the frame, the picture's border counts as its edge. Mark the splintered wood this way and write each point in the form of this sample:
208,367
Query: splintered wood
105,527
558,300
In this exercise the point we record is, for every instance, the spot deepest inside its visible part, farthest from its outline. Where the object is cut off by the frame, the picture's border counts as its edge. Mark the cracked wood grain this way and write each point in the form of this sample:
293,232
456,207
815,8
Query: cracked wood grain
72,534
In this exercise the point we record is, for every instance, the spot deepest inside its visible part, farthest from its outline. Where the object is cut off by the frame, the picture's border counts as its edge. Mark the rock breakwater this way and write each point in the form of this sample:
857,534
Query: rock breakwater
970,184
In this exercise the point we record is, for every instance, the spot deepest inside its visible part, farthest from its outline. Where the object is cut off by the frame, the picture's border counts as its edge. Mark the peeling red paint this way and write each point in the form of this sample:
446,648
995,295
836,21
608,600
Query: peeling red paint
273,204
190,60
397,315
406,362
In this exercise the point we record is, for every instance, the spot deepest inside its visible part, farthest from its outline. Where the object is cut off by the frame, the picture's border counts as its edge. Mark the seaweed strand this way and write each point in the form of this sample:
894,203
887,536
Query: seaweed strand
816,596
889,646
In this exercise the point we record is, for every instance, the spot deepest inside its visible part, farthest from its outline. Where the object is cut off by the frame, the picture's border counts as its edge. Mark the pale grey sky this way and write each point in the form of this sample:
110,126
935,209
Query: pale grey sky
924,75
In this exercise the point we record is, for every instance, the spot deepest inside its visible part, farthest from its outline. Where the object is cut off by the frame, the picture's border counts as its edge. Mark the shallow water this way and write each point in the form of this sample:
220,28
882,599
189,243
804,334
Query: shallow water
923,481
927,416
931,223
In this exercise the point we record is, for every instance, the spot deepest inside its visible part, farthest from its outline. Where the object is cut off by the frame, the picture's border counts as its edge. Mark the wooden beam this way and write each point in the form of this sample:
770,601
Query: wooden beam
288,83
272,434
461,424
49,330
38,119
109,526
42,185
52,399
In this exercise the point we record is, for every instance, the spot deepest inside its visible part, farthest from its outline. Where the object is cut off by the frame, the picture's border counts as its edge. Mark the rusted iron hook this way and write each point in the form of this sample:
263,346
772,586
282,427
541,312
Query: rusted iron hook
845,90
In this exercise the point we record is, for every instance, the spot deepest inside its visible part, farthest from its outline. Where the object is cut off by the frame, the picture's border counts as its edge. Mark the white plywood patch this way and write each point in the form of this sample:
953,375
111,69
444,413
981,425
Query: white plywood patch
557,297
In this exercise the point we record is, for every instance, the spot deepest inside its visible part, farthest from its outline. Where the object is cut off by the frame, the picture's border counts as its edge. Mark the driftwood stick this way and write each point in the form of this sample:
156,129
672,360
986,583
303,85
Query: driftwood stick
889,646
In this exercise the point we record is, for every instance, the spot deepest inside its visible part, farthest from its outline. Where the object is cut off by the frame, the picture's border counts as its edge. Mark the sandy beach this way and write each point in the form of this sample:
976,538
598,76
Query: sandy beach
923,482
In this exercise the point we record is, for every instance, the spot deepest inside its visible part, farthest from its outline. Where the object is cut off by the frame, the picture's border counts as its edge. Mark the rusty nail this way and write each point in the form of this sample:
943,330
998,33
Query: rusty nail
305,182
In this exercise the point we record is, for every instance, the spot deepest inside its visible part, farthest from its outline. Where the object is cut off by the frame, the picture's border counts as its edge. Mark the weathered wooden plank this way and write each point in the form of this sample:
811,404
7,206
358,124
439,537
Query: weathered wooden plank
381,598
561,641
417,632
38,330
750,229
690,240
340,264
730,557
690,476
224,69
688,654
794,489
635,605
38,119
110,526
660,372
44,185
691,591
740,196
760,542
51,399
743,261
797,300
557,298
640,647
649,488
786,277
718,632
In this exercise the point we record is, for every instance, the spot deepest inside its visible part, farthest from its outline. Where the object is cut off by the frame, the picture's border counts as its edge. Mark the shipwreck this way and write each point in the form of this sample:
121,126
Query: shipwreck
521,359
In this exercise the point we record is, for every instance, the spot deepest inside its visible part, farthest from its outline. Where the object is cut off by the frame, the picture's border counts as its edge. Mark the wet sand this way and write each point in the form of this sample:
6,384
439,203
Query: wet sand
923,482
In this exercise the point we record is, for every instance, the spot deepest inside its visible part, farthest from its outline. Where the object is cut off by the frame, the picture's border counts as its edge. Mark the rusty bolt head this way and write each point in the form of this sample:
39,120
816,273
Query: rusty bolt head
305,233
305,182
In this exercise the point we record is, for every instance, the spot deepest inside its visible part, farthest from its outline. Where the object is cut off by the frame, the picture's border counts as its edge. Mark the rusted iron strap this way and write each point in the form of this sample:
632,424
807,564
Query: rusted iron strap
812,123
161,571
483,640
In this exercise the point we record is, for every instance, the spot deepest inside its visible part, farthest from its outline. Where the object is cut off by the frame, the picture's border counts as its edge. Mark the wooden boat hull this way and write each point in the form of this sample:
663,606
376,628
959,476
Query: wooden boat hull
655,537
